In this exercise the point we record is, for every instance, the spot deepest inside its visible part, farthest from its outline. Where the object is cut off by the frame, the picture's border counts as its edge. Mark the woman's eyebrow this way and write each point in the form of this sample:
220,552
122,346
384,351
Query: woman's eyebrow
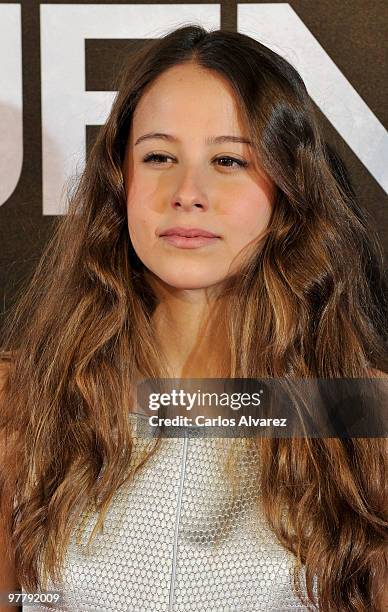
209,140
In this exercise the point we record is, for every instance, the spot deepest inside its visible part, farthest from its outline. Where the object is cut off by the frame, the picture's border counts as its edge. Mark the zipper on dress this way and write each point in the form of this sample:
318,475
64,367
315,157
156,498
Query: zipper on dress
177,522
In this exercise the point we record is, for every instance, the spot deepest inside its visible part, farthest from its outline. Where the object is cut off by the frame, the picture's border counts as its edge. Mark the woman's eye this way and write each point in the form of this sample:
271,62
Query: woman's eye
224,161
156,158
230,161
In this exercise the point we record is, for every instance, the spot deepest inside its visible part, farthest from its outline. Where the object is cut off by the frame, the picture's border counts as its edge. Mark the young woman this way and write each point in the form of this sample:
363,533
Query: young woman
212,133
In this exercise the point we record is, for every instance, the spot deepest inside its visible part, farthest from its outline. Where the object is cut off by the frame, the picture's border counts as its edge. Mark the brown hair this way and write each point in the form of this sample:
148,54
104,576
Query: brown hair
314,289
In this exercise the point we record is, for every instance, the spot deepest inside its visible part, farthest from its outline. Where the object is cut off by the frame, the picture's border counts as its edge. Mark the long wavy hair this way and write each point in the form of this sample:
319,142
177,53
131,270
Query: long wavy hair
311,302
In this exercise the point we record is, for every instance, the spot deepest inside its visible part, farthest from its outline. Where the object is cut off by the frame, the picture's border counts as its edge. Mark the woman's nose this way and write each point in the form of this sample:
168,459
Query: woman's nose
190,192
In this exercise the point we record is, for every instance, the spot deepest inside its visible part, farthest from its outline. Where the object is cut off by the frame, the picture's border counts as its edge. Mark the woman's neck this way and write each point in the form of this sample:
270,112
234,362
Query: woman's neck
190,333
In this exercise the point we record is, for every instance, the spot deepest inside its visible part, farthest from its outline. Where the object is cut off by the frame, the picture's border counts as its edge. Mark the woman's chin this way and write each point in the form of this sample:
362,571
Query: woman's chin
190,281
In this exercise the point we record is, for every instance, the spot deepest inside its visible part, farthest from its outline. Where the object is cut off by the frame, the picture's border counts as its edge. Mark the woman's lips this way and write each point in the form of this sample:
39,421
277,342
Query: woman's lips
184,242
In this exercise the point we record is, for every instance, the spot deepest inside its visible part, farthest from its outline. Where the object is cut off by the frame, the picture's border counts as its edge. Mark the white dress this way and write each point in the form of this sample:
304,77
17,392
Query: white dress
177,539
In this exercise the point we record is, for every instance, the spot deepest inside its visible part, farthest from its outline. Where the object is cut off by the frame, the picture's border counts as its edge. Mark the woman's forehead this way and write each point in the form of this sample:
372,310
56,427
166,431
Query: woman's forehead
189,98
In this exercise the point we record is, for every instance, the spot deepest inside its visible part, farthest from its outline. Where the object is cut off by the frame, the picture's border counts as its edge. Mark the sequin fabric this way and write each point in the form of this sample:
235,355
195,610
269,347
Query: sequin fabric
181,537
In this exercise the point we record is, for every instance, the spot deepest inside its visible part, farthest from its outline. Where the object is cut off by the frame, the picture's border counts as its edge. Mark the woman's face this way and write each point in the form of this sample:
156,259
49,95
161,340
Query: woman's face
183,170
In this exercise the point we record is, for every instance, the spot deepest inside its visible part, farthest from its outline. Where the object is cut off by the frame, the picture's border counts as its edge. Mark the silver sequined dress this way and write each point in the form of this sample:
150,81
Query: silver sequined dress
177,539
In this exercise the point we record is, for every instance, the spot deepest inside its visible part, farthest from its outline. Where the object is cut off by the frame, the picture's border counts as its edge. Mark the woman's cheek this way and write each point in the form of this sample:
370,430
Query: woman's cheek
141,226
